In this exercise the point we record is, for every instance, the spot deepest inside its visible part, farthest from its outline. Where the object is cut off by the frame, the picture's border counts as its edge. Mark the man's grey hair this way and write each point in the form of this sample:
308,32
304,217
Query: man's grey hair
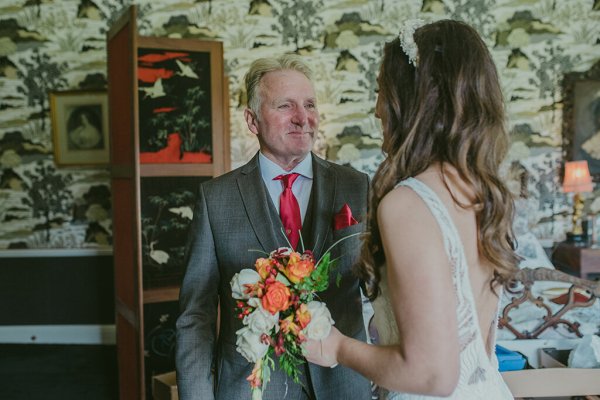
262,66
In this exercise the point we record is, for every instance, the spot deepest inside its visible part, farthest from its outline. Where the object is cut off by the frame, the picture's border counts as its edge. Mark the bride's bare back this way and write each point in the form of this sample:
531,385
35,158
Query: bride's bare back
454,192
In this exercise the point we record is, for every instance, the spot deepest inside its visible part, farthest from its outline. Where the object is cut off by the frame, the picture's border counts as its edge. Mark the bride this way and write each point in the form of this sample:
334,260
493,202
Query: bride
440,246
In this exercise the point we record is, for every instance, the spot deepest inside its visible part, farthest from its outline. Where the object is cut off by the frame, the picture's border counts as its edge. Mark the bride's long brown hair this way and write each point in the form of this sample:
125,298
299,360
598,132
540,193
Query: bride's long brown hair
448,109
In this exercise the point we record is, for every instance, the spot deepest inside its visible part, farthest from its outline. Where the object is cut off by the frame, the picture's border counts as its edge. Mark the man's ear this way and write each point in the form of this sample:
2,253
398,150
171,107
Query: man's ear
251,120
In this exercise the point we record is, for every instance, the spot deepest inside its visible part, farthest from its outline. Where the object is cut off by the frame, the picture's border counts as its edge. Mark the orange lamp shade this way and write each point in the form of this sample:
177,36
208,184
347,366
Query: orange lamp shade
577,177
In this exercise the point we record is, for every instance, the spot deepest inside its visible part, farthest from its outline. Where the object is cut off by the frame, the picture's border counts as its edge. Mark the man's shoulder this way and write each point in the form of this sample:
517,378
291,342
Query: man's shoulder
230,176
221,181
342,169
350,175
347,169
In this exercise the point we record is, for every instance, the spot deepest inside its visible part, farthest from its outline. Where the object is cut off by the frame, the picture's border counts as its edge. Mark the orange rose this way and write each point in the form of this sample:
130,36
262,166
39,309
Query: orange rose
276,297
294,257
263,266
298,270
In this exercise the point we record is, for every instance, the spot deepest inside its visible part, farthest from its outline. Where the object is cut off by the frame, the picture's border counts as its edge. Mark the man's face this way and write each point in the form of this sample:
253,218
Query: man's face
288,119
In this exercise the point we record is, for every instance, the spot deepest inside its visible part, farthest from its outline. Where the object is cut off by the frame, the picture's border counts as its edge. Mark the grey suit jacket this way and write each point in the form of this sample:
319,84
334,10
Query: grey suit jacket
233,215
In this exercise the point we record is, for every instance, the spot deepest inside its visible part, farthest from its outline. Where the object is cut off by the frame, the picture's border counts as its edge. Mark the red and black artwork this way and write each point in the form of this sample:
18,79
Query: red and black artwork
167,212
174,106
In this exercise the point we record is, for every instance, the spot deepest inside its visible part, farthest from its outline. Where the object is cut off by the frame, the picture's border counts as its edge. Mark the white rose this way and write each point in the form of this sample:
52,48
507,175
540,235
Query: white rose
249,345
320,321
244,277
260,320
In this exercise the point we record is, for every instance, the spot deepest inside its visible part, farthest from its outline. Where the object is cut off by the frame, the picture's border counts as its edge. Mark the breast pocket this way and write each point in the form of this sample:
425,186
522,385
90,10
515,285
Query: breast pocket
347,243
347,231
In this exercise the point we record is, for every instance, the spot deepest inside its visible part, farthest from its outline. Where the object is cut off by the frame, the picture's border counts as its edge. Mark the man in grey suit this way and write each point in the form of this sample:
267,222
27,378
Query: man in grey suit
238,212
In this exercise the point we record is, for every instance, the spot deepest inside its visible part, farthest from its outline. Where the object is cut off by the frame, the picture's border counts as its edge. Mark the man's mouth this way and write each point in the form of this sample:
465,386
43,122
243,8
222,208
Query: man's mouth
299,133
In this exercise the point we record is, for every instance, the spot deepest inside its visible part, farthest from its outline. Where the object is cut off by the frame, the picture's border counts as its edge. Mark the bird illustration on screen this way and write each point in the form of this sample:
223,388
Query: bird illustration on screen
185,70
154,91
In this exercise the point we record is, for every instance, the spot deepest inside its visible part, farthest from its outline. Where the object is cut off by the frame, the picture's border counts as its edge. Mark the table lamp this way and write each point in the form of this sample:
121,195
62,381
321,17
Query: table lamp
577,180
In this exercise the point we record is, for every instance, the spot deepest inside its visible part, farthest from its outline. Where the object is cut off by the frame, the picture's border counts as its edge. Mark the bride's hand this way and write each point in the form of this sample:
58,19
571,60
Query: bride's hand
324,352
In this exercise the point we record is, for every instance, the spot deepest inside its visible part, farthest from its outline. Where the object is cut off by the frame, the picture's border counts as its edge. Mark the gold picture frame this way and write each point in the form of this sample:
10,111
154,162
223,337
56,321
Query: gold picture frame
80,127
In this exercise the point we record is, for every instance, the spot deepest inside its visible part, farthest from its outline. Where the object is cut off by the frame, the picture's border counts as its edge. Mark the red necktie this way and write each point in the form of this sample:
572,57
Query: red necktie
289,210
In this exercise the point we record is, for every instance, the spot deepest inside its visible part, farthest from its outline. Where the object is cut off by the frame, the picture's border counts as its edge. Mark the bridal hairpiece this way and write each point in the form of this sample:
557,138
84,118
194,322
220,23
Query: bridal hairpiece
407,40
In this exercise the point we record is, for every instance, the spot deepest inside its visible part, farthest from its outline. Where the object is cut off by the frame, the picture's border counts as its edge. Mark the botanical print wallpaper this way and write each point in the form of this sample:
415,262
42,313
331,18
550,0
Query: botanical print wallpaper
59,45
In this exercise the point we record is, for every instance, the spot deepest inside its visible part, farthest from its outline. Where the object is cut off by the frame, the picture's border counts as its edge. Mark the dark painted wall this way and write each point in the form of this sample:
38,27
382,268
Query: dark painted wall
57,290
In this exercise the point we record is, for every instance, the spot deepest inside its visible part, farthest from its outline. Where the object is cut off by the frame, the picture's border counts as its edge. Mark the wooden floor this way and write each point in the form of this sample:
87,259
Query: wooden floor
65,372
70,372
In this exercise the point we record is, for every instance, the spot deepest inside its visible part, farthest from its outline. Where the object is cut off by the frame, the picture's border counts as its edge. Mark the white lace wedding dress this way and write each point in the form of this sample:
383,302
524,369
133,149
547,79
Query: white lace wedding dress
479,377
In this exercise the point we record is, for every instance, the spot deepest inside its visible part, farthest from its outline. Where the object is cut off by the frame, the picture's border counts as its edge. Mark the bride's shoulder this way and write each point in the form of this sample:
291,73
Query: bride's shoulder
398,197
402,205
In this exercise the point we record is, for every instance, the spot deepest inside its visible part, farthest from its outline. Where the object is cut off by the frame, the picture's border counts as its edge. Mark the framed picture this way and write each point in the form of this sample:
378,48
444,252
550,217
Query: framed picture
80,127
581,118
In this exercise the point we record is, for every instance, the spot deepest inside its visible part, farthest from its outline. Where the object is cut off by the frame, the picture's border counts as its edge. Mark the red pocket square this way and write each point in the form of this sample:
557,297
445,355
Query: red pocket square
344,218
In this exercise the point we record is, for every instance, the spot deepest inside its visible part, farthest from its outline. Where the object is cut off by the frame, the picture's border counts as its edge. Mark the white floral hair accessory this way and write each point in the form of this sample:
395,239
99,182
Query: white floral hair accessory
407,40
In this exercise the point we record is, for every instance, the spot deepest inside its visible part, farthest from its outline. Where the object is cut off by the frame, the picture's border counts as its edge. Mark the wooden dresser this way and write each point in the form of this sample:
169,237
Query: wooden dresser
577,260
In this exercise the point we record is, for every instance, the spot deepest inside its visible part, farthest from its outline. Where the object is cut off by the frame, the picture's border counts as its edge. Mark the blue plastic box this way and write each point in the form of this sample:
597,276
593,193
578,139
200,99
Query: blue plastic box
509,360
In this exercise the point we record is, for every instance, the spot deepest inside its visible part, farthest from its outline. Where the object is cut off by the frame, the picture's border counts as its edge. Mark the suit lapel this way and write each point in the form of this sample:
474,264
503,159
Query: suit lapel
323,195
257,205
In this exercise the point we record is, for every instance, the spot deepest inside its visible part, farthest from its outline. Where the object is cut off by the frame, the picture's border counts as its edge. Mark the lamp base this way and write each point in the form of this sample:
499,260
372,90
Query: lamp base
578,239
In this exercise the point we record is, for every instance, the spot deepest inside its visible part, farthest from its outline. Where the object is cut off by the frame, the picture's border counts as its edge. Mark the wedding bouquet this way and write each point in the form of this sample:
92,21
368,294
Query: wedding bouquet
276,303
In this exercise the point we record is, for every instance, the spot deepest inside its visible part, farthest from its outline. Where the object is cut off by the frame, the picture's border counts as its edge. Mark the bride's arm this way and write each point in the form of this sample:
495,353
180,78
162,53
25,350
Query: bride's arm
424,304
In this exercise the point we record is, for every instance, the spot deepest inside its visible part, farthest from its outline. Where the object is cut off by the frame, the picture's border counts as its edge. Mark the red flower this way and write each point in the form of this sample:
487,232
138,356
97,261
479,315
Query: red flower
279,345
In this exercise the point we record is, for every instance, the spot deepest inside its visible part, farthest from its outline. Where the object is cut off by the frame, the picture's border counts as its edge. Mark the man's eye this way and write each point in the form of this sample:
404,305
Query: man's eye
311,106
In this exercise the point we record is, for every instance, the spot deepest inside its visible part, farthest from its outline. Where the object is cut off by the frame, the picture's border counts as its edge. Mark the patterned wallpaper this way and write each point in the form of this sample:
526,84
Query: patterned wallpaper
57,45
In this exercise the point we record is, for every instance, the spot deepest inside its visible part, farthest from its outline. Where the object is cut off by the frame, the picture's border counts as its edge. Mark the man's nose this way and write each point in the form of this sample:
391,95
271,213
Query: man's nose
300,116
